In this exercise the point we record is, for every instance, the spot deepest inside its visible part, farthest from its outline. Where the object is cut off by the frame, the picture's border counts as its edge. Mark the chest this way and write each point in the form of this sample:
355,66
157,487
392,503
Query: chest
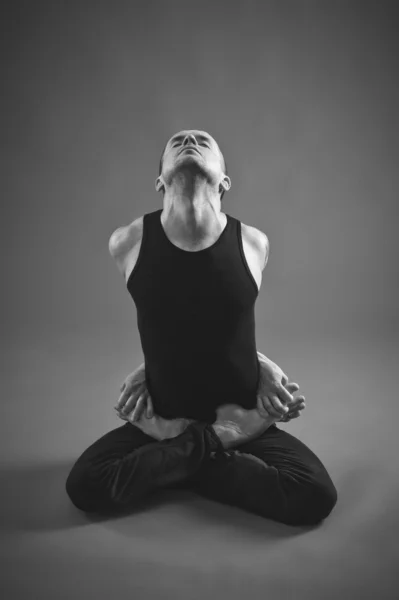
252,257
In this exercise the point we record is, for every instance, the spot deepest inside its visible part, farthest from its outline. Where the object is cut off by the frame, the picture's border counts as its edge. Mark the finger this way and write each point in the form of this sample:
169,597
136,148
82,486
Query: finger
122,387
284,379
122,399
262,411
283,395
280,408
269,407
295,411
136,413
291,416
145,407
132,401
299,405
138,410
292,387
128,391
150,408
296,402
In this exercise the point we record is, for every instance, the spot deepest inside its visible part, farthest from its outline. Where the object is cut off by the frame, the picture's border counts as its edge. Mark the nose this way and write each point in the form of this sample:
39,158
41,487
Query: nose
189,140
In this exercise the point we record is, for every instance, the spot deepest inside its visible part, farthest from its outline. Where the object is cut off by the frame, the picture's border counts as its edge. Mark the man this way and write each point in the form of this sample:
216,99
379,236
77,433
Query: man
203,391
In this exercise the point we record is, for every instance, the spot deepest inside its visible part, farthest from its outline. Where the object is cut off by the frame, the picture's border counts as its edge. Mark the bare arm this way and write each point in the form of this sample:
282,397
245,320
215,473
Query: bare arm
119,246
124,241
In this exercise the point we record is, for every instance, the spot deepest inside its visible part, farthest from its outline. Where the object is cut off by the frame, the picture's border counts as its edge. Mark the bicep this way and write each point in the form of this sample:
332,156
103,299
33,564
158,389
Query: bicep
117,242
265,250
119,245
260,243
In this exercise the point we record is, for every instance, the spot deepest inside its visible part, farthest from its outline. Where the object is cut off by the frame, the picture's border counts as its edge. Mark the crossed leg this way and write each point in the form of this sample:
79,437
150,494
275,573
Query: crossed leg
125,465
276,475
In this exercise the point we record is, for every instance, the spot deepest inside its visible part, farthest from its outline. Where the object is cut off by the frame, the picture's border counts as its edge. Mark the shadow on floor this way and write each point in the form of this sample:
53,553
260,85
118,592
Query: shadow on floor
33,498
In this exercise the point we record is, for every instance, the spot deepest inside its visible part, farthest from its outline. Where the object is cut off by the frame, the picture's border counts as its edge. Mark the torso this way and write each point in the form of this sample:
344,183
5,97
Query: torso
253,256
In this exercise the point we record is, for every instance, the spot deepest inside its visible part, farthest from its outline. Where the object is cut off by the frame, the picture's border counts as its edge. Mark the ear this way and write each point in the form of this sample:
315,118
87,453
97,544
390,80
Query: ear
225,184
159,184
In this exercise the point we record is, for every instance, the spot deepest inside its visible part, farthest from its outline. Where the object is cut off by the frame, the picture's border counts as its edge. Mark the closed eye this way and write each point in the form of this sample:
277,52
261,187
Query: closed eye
201,144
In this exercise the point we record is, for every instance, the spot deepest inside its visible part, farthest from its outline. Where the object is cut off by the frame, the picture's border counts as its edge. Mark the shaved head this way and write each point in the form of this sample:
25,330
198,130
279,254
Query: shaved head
201,137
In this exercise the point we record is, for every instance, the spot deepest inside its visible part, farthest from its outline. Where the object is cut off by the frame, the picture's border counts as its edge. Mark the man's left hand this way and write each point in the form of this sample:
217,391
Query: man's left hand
273,395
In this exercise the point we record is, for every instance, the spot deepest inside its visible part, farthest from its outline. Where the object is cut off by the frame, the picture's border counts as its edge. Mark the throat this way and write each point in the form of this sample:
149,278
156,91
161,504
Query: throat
193,236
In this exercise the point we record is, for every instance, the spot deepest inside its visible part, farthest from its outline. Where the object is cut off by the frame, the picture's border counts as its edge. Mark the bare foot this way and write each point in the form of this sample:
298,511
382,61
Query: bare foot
234,425
160,428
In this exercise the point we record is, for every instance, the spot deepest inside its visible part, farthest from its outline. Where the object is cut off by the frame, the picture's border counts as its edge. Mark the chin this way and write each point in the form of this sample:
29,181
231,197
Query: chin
193,162
189,157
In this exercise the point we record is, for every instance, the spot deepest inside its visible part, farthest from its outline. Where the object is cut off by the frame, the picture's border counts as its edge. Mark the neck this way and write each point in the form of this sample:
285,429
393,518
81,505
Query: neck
192,210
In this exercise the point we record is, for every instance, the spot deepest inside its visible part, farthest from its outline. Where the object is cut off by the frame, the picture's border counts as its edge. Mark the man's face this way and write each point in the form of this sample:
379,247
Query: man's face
192,149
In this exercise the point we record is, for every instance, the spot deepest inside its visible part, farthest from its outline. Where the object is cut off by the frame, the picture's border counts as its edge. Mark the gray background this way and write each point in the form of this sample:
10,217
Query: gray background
303,100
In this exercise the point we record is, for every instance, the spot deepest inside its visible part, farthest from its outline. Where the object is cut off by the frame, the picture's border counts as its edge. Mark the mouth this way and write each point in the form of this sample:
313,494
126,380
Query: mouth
190,148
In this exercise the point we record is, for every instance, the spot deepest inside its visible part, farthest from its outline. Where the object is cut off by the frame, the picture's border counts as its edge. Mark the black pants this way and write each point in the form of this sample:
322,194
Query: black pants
275,476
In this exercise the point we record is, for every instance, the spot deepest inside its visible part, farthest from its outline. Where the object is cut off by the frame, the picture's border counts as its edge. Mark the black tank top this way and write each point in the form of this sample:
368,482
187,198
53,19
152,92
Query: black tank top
196,319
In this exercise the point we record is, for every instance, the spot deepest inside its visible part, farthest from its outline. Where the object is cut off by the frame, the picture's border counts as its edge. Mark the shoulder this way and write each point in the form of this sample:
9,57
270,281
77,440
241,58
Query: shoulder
254,235
125,238
258,240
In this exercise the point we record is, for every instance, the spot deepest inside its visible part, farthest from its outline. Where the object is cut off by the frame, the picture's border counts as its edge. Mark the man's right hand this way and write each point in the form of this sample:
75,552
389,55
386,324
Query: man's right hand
134,397
135,405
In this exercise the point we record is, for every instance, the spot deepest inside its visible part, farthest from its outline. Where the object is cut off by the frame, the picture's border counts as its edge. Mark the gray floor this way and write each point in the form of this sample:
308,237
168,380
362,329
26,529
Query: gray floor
179,545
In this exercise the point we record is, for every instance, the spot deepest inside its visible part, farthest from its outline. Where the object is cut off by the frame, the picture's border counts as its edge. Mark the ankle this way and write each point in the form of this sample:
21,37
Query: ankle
227,434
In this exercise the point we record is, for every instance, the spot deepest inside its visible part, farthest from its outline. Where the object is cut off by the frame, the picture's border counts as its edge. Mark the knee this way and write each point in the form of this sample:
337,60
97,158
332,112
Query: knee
313,506
317,504
82,492
322,501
